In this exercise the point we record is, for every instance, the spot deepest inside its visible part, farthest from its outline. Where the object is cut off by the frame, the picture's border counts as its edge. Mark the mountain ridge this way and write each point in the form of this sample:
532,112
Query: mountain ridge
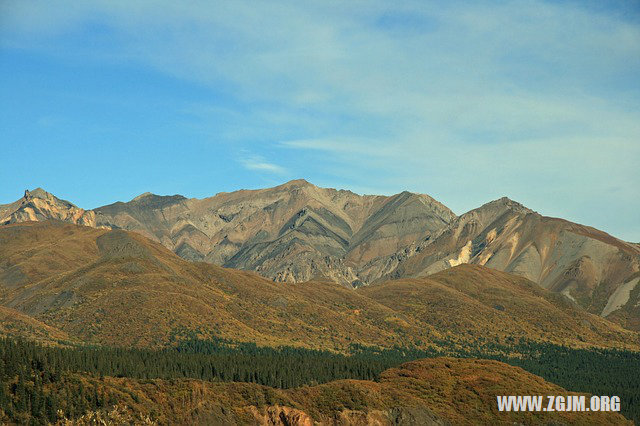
297,232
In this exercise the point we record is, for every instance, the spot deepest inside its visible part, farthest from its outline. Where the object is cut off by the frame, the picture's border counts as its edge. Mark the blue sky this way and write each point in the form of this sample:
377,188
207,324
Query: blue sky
537,101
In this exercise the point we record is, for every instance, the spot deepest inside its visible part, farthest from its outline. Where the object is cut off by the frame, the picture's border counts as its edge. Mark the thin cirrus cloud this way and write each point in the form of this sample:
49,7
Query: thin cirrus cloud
535,100
258,163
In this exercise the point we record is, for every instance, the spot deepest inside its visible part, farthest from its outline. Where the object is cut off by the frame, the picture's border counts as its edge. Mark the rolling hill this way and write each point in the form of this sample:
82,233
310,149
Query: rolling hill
119,288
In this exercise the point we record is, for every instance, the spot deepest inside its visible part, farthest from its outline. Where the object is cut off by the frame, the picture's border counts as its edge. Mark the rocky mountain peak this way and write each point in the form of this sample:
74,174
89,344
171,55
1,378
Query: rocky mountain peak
142,196
503,204
150,200
38,205
38,193
47,198
296,183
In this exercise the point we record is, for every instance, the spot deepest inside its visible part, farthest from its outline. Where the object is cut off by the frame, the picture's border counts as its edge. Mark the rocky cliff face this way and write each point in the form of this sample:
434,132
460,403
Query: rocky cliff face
408,416
293,232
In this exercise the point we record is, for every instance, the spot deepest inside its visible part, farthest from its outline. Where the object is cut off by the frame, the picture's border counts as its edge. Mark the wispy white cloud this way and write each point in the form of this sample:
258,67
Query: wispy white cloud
340,145
258,163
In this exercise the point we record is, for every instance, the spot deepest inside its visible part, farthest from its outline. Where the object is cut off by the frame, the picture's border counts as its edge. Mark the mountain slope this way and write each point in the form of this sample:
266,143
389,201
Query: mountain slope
488,305
119,288
14,323
128,290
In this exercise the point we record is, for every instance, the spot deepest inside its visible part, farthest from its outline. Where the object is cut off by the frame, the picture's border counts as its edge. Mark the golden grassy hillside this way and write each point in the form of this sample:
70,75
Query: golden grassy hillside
131,291
474,302
119,288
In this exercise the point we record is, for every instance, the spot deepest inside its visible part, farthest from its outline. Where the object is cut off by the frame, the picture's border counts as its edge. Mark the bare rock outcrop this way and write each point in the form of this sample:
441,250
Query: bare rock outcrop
40,205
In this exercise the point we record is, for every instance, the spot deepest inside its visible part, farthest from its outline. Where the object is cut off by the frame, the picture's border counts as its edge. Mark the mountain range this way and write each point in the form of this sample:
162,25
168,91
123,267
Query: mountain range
298,232
296,273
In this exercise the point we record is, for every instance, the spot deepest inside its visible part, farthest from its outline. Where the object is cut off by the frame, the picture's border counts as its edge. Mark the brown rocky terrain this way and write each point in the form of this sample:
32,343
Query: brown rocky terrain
116,287
437,392
298,232
293,232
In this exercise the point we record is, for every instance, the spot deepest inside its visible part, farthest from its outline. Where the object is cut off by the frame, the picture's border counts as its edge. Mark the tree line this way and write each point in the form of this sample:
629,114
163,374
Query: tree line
38,383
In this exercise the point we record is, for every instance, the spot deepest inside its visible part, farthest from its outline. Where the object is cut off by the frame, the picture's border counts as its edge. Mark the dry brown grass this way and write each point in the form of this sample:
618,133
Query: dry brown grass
475,301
